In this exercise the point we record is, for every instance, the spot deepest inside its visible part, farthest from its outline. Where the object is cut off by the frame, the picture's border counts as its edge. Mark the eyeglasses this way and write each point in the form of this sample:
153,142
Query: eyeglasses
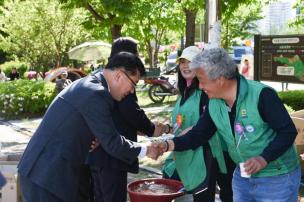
133,83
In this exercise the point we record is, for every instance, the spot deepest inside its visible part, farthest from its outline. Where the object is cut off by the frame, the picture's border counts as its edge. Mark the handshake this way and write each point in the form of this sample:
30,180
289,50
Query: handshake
157,148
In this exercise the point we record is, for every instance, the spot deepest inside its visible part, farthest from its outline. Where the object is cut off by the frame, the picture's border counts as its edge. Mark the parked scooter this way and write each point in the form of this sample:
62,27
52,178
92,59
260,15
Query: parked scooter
160,87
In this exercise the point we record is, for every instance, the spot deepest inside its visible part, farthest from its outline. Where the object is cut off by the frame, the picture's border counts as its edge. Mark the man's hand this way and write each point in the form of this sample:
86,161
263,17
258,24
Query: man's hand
159,128
255,164
94,144
153,151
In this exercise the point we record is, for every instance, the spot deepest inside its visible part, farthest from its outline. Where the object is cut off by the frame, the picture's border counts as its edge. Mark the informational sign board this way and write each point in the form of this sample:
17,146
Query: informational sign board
279,58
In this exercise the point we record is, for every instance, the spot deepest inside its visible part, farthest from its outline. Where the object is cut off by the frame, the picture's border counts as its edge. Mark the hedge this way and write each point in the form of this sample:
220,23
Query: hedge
293,98
28,98
25,98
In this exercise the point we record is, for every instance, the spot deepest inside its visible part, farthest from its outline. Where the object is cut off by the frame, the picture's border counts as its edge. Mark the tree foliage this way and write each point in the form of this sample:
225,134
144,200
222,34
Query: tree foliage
298,23
190,9
240,24
228,7
108,15
151,22
40,32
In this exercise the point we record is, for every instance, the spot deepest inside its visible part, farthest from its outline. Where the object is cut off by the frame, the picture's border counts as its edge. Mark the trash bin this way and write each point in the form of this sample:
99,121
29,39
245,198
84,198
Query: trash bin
298,119
142,191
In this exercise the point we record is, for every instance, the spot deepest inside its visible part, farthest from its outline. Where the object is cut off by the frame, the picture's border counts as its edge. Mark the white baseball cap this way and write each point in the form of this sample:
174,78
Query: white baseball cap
189,53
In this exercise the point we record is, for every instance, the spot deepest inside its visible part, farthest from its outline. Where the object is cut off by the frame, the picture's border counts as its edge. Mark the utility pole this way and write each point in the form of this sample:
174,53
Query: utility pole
212,15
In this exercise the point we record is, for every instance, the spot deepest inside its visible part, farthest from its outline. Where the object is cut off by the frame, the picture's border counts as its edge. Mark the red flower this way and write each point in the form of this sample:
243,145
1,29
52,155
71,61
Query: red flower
179,120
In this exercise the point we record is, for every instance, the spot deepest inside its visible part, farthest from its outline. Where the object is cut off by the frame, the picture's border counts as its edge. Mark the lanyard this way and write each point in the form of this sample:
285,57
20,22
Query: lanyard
239,129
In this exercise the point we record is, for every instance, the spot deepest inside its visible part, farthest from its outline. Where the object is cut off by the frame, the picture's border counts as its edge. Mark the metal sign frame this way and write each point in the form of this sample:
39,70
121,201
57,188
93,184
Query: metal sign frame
279,58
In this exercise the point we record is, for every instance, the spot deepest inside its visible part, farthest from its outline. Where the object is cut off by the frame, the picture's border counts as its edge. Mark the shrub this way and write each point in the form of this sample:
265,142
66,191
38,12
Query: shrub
87,70
293,98
25,98
21,67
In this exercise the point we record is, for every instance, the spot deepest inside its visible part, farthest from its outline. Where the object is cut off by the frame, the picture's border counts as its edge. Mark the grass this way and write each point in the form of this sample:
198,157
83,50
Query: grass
163,116
144,100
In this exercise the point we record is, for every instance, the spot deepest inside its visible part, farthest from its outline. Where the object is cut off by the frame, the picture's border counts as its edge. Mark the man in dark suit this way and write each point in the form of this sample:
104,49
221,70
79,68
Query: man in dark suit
50,167
128,118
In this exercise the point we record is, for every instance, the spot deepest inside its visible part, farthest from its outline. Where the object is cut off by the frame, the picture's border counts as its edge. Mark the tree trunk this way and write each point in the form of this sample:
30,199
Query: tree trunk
150,53
155,57
158,37
226,44
156,48
206,24
219,10
190,26
116,31
58,58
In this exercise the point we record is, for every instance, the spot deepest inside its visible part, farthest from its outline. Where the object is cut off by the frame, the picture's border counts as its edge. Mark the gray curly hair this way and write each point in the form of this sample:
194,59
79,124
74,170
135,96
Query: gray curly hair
216,63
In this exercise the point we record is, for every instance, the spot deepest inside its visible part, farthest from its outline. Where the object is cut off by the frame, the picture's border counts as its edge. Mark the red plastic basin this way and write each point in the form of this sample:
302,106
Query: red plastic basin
136,196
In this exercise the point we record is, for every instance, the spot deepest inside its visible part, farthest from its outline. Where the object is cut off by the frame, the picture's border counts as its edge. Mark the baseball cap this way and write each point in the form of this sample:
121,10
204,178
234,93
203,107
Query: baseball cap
189,53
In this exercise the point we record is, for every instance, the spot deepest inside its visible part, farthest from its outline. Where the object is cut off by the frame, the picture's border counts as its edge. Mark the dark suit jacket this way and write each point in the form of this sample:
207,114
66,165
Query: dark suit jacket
60,145
128,119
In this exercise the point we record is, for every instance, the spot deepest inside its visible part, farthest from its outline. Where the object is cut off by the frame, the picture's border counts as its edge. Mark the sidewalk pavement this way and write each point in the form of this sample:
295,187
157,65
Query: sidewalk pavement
155,110
15,134
278,85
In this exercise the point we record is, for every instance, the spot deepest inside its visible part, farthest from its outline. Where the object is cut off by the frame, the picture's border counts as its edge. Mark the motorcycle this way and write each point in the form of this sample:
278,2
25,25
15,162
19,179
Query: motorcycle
160,88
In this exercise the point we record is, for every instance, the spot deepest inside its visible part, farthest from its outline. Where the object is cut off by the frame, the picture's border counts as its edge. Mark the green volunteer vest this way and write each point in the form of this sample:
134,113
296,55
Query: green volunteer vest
255,134
190,164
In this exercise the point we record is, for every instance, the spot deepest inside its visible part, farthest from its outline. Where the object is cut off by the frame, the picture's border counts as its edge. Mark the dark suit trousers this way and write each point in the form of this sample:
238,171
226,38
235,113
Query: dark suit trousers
216,177
224,181
110,185
85,190
32,192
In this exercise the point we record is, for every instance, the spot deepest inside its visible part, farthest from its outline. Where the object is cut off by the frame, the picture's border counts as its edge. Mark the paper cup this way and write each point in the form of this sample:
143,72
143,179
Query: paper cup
243,172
